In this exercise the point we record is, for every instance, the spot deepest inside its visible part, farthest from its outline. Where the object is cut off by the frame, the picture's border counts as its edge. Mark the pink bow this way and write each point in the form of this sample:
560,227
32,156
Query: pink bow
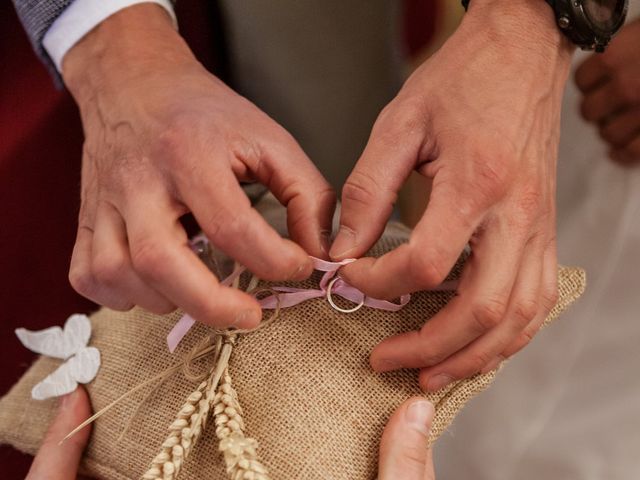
287,297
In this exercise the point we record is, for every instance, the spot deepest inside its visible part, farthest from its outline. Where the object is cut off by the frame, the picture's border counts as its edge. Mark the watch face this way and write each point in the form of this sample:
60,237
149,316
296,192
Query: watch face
604,14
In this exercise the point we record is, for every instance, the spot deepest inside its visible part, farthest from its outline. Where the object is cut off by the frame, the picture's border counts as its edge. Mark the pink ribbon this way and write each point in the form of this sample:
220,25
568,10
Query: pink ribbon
288,296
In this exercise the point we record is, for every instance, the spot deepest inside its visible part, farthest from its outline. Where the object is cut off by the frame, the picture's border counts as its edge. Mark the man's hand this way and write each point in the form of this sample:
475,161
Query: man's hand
480,118
56,461
165,137
610,83
403,449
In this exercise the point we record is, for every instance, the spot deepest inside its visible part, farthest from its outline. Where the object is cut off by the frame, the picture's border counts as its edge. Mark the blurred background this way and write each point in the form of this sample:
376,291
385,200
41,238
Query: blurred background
568,407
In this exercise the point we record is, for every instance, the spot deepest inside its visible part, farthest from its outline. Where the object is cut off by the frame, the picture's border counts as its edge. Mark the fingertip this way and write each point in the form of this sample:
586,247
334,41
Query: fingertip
381,364
227,307
247,319
344,244
354,272
303,265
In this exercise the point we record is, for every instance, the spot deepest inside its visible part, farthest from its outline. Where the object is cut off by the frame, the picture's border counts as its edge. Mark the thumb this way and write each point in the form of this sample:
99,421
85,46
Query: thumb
370,192
403,448
60,462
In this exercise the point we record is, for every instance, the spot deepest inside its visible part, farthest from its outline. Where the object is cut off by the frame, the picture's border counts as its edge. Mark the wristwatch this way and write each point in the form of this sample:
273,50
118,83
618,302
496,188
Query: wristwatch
590,24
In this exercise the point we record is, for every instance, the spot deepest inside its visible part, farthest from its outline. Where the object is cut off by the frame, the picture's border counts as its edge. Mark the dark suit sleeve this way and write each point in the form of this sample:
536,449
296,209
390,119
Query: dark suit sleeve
36,17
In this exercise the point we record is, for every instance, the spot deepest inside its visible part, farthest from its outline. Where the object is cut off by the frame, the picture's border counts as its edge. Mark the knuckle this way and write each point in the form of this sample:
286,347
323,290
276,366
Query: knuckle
525,310
223,225
429,358
171,141
81,280
492,172
550,297
399,118
475,362
413,456
488,313
149,257
527,335
109,267
530,202
362,188
428,271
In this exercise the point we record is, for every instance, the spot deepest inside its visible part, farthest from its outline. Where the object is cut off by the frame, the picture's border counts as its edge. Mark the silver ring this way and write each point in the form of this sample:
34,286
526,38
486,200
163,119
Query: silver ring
336,307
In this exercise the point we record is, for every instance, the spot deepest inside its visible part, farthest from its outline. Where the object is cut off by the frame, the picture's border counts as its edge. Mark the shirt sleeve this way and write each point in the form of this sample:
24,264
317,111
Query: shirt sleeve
80,18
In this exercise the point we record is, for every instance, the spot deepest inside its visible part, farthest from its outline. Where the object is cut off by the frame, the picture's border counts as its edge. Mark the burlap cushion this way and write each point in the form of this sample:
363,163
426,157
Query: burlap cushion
308,394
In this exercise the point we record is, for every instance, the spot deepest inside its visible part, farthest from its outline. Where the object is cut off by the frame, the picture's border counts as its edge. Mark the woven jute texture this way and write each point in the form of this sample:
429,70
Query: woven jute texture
304,383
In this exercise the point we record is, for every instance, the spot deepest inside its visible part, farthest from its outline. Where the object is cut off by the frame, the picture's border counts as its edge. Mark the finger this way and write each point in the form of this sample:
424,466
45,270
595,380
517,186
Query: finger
435,245
112,268
225,215
591,73
298,185
622,128
161,256
483,353
56,461
548,300
485,287
602,102
81,276
629,154
403,447
370,192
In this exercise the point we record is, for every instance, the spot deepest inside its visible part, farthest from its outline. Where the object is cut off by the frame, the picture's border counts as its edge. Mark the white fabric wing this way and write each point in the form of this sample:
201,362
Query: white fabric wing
56,342
81,368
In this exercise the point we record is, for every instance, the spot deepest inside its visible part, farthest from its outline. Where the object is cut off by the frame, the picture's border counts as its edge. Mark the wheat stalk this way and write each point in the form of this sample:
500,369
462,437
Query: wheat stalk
183,433
239,451
189,423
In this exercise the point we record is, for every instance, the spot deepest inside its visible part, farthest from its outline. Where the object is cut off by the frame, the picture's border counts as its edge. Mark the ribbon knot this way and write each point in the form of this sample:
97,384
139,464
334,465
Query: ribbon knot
330,284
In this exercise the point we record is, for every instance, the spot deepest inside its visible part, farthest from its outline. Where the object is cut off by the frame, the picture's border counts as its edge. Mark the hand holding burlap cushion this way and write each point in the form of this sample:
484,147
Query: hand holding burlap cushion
307,393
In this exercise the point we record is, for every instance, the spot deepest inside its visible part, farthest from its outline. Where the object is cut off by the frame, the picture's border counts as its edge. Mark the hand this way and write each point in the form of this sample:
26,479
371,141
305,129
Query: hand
164,137
610,83
60,462
403,448
480,118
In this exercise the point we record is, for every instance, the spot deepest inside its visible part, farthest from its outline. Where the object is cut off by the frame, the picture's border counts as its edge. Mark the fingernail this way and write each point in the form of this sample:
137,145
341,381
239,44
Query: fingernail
385,365
438,382
325,241
246,319
419,415
344,243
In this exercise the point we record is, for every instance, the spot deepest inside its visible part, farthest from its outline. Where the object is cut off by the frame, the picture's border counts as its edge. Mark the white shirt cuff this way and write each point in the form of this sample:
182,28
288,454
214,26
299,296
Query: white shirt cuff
80,18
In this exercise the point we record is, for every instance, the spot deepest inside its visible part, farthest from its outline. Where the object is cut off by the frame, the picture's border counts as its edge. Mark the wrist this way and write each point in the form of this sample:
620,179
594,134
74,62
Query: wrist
127,44
525,28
